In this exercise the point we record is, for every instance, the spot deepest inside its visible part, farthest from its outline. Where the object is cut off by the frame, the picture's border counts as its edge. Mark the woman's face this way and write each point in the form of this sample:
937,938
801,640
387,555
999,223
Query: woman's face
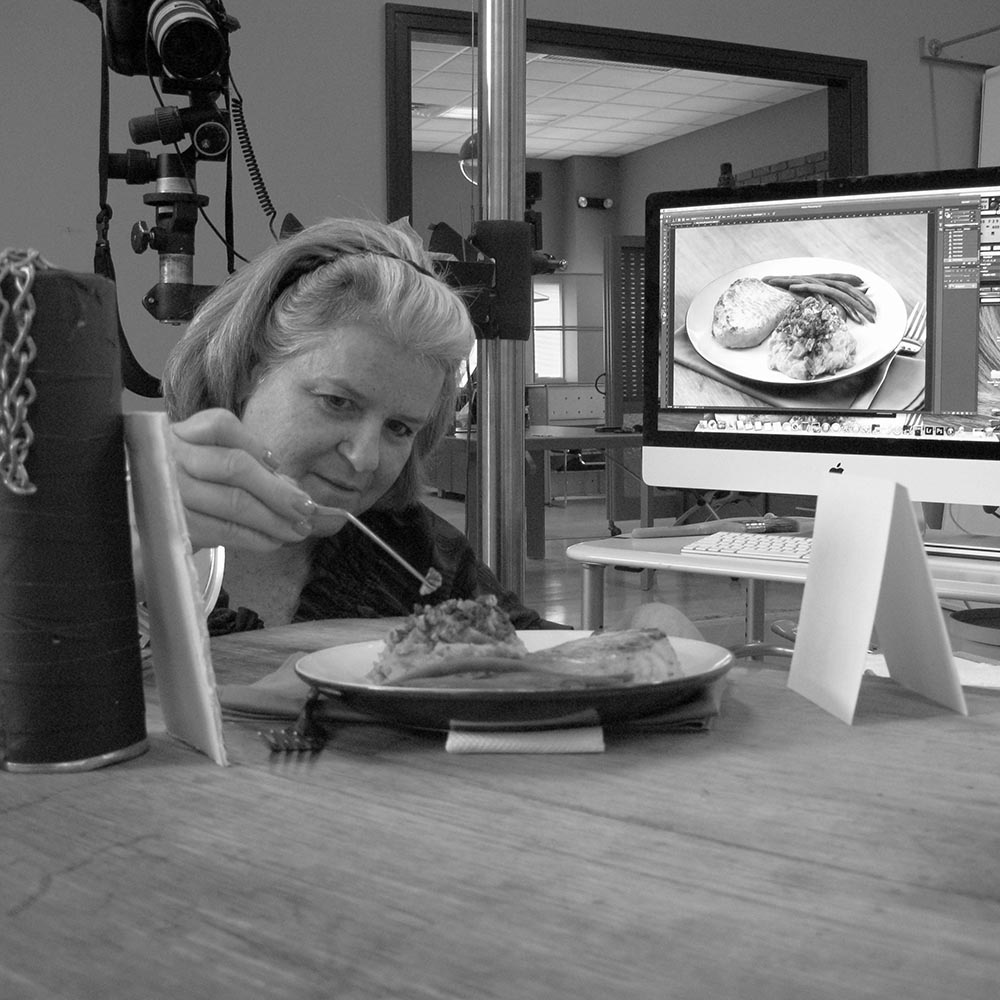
342,417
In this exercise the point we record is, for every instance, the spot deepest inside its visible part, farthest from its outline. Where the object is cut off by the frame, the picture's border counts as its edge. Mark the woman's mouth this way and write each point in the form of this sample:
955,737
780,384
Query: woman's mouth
332,493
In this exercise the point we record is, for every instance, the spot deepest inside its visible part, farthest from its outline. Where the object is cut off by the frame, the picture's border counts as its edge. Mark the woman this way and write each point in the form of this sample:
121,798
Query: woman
324,371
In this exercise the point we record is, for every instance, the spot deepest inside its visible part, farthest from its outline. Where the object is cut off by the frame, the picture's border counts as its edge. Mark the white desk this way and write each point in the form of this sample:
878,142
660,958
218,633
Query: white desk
954,577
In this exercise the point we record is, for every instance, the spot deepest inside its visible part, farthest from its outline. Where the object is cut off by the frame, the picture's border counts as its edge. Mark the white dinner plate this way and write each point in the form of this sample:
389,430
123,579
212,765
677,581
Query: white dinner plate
342,671
876,341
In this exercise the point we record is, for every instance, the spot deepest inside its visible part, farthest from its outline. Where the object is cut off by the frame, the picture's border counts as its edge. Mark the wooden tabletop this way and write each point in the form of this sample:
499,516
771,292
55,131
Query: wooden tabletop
781,854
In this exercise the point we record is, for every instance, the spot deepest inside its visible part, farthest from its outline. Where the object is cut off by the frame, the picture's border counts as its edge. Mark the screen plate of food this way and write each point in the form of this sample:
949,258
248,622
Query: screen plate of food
534,689
736,323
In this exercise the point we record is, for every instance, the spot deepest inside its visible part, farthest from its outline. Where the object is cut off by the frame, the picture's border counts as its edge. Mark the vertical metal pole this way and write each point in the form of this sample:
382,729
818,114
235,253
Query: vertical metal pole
502,43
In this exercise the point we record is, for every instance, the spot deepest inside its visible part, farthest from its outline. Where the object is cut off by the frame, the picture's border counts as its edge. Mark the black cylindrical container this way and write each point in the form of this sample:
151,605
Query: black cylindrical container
71,695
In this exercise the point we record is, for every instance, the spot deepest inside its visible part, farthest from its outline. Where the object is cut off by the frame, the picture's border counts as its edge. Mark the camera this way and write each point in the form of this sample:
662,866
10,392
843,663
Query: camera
185,43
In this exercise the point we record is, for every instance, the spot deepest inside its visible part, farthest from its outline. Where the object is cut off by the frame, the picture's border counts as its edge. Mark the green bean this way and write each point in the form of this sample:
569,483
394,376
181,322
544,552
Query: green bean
855,309
854,292
843,289
845,310
851,279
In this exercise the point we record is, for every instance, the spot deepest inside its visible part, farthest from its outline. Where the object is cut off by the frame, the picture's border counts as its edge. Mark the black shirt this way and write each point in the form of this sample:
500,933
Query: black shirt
352,577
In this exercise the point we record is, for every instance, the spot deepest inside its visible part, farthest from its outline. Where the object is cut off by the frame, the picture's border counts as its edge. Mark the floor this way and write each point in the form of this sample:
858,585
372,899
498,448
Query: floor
553,586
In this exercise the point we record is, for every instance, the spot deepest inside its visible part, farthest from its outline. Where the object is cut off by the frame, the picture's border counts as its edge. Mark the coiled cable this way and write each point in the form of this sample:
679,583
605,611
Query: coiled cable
249,157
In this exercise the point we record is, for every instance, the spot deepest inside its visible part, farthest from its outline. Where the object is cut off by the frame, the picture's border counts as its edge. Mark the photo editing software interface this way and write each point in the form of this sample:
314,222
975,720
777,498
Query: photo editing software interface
869,314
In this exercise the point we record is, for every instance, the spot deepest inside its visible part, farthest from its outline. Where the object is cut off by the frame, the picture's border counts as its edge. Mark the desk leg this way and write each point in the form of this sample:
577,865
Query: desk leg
593,595
534,505
755,647
755,611
646,520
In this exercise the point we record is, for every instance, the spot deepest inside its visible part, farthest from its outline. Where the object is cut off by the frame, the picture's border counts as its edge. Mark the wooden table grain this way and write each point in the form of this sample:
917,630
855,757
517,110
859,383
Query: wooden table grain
779,855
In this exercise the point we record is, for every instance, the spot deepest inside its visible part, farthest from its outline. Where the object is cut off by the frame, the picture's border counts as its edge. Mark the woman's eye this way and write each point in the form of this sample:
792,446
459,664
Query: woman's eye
336,402
398,429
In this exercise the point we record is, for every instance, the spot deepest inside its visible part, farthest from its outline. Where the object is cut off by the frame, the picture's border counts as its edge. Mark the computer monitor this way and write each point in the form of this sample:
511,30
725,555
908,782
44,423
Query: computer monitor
754,391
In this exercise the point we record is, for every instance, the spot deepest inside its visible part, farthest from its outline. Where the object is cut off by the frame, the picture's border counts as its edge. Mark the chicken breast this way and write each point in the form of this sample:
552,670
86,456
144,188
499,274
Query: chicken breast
748,311
644,655
628,656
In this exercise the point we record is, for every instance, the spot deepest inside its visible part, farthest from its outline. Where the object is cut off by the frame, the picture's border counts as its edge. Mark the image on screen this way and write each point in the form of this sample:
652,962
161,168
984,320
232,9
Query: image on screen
859,313
796,312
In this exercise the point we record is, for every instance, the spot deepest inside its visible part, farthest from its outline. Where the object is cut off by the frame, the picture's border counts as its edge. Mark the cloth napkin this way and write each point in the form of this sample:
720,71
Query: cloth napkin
279,697
691,716
904,381
580,739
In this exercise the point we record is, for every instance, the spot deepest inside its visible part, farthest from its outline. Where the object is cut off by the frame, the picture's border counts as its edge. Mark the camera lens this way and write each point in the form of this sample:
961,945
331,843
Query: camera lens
187,39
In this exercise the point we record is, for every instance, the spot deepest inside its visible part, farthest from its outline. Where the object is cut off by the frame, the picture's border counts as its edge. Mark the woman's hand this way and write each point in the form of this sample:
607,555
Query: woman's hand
231,493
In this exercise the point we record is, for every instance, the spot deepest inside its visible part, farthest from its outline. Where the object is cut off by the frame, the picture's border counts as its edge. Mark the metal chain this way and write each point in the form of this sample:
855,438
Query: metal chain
17,392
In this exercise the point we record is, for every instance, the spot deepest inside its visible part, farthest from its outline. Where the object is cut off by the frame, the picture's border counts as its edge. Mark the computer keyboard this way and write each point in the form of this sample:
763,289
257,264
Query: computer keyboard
763,545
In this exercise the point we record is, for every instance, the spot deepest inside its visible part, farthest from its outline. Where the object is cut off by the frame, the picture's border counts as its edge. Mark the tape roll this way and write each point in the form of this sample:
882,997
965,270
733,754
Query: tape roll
71,694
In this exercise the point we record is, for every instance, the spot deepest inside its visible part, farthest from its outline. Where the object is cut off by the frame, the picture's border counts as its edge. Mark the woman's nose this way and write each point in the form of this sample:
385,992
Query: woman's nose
361,447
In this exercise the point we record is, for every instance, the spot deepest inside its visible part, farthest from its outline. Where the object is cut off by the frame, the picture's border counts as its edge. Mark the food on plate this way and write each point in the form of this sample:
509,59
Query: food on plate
748,311
642,655
846,291
475,642
811,340
470,629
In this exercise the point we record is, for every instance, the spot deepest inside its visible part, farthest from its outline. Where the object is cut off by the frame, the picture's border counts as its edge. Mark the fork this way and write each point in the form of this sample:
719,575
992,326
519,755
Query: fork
429,581
916,331
911,343
305,736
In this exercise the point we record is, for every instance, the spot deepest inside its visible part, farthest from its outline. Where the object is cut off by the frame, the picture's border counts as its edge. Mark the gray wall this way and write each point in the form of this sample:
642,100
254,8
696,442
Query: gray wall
441,194
311,74
793,129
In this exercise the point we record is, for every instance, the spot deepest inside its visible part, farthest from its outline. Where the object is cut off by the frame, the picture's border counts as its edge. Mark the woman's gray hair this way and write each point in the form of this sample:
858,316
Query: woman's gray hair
334,273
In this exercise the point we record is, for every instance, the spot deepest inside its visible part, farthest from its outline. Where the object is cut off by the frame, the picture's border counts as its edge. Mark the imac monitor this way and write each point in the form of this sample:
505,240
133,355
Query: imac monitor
839,325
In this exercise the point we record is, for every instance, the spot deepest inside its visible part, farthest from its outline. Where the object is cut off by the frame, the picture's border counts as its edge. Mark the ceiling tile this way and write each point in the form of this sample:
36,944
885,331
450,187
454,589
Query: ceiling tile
593,107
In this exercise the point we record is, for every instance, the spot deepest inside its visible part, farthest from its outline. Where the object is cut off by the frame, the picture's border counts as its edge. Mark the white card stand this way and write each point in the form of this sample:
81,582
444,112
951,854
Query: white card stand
868,569
182,661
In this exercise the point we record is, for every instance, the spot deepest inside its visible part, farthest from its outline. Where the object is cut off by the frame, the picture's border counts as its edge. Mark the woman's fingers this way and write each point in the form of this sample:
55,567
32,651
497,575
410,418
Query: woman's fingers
230,493
222,428
220,514
206,532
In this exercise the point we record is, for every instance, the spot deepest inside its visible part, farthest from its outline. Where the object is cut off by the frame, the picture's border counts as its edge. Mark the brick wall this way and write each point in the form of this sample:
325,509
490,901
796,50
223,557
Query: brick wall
798,169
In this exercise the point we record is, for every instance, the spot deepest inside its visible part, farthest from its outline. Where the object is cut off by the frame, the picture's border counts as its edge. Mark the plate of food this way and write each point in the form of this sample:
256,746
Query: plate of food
796,320
462,665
